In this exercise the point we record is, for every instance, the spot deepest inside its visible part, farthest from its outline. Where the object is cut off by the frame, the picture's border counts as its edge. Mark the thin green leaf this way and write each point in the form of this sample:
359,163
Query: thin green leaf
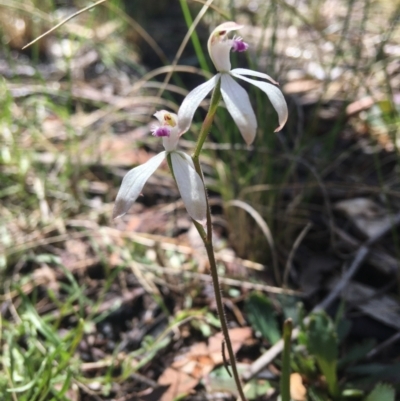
323,344
261,315
377,370
285,377
356,353
381,392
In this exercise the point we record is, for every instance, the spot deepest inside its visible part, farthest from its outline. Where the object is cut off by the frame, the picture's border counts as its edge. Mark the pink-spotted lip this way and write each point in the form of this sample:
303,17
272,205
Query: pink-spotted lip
160,131
238,45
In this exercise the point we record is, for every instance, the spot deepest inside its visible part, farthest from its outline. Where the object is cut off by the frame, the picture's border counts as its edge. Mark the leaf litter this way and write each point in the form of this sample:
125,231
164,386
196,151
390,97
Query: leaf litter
130,281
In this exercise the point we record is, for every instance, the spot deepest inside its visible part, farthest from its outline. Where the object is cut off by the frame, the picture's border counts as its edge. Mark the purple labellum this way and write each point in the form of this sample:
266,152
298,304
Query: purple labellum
238,45
160,131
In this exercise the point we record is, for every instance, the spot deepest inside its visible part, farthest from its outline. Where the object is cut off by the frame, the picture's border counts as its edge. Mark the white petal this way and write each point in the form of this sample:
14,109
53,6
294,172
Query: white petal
236,72
190,185
133,183
238,104
171,142
275,96
192,102
220,54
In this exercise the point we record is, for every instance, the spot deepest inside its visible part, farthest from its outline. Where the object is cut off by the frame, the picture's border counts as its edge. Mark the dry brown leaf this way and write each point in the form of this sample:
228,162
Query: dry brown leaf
180,383
197,362
77,247
369,217
301,86
381,307
76,251
238,336
297,390
185,373
150,220
53,127
45,275
118,150
360,105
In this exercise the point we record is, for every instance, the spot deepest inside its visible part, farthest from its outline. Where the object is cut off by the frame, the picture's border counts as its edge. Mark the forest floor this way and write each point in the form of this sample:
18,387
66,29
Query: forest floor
96,309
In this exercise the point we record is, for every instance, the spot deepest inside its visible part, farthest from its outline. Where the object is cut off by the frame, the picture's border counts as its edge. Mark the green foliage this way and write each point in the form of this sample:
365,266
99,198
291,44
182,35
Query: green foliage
262,316
319,336
317,353
201,57
323,344
291,307
38,362
255,389
285,376
381,392
220,380
357,352
377,370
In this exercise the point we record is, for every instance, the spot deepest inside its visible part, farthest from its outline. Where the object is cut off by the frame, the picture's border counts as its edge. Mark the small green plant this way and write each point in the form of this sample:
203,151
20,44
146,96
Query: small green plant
285,375
322,343
315,355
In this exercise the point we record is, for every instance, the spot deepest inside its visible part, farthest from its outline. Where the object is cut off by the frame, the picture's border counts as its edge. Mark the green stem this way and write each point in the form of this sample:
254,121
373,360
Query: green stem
206,236
285,376
205,128
220,308
215,98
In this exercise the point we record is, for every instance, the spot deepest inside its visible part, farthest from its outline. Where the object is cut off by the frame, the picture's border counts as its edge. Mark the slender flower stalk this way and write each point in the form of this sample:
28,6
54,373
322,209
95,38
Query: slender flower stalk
235,97
238,104
206,236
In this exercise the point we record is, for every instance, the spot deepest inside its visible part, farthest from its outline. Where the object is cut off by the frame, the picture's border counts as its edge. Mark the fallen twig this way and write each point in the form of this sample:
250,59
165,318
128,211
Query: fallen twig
390,341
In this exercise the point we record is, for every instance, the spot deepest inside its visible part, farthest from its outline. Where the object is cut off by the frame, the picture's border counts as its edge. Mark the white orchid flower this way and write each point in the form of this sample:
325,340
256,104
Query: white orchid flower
189,183
235,97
